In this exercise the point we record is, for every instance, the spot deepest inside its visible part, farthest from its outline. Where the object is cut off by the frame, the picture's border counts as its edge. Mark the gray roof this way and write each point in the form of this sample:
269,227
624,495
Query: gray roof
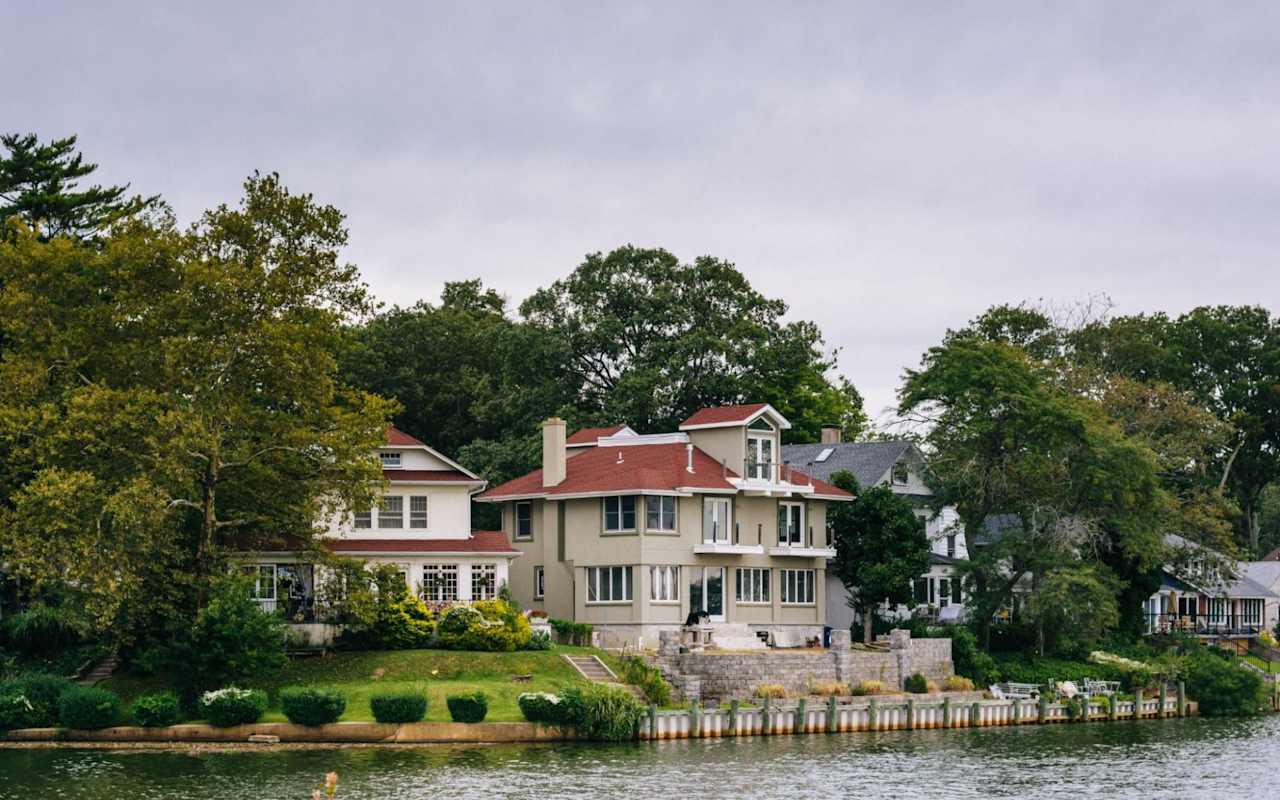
1243,584
868,461
1263,573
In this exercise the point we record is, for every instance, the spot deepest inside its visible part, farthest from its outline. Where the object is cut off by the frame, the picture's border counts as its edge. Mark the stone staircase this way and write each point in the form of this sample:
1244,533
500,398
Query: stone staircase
99,672
596,671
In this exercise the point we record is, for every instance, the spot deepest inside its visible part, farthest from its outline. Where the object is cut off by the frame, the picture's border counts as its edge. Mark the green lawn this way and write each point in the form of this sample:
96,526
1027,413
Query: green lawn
1268,666
438,672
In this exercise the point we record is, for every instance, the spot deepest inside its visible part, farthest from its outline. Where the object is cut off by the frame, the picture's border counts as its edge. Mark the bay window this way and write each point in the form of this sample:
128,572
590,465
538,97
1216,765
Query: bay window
660,513
620,514
608,584
797,587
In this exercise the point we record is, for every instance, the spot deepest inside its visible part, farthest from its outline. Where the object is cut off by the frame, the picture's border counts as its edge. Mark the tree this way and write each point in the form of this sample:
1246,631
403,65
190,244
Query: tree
172,396
1075,602
39,183
881,547
650,340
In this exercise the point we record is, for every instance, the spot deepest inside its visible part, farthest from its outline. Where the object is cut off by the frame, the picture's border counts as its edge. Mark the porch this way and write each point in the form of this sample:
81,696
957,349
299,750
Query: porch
1228,624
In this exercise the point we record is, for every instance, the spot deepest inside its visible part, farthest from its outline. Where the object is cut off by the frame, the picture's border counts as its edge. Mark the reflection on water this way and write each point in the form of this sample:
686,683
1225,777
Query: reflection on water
1181,759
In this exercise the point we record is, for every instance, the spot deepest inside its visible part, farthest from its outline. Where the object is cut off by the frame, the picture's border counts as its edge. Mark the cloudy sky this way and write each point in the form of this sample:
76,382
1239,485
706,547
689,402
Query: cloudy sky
888,169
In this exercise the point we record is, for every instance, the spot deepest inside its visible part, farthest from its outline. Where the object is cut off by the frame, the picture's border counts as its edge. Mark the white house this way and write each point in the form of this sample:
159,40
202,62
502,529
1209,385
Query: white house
422,524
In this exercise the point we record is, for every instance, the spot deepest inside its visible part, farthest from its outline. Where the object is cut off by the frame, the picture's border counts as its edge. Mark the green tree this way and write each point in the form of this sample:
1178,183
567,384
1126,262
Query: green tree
650,340
40,184
172,395
881,547
1075,604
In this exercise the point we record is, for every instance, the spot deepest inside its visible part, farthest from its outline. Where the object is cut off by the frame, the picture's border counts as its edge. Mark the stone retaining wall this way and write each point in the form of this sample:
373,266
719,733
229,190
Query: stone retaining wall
366,732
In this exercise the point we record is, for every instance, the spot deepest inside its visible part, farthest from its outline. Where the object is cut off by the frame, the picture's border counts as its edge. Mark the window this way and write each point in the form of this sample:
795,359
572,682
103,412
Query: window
660,513
524,520
951,546
417,512
901,475
1250,612
797,587
264,580
715,520
824,455
539,583
484,580
956,597
620,513
608,584
390,460
753,586
944,593
760,450
664,584
790,524
391,512
1217,610
440,583
922,591
364,519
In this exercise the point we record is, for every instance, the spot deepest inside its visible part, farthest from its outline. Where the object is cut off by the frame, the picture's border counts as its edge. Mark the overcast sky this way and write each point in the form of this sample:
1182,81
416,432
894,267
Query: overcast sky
889,170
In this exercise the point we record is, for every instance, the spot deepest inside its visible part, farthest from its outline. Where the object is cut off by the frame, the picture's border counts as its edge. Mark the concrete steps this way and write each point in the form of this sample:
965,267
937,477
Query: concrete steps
100,671
596,671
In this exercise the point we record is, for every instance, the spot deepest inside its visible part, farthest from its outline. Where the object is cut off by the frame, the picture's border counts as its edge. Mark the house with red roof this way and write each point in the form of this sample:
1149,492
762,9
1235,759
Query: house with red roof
421,524
635,533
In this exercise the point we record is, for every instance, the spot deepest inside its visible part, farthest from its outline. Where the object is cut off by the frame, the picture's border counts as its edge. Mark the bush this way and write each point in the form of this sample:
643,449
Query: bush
958,683
397,620
773,691
1042,671
17,711
1224,688
540,707
88,708
638,672
471,707
399,707
829,689
602,712
576,633
231,706
539,640
487,625
40,695
969,659
868,687
156,710
309,706
42,629
916,684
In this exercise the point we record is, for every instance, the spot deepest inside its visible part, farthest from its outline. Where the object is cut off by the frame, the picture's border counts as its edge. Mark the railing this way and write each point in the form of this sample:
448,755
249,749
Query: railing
773,472
1205,624
293,609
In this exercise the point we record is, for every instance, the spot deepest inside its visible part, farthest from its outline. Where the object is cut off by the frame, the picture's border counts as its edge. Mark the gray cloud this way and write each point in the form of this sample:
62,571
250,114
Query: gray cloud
888,169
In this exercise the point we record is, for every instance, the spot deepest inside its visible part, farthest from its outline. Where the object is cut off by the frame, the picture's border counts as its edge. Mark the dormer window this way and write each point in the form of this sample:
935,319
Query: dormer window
760,450
901,475
390,460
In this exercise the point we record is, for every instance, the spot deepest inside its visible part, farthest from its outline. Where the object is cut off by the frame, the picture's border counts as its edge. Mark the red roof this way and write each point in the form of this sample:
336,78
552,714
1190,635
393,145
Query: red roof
721,414
819,487
480,542
652,467
398,438
395,475
589,435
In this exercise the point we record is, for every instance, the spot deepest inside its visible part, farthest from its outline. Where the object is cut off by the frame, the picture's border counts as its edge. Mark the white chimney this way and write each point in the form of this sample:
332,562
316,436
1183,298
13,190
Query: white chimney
553,452
688,457
831,434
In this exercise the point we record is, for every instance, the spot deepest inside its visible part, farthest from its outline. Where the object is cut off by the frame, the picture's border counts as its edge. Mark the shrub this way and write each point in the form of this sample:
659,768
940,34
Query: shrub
487,625
42,629
1224,688
399,707
868,687
916,684
829,689
539,640
41,692
88,708
773,691
1042,671
309,706
17,710
397,620
577,633
156,710
958,683
638,672
602,712
471,707
540,707
969,659
231,706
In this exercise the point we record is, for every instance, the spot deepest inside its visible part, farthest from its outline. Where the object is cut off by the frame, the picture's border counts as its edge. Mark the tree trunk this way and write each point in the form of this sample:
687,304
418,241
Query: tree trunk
867,616
208,529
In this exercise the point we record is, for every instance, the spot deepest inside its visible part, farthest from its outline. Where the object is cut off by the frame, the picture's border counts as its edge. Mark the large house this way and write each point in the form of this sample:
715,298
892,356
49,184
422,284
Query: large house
635,533
422,524
1208,596
899,465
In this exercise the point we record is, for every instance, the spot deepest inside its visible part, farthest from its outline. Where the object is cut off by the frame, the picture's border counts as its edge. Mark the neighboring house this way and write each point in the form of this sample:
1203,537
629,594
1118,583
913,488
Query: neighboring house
1223,600
632,533
422,524
899,465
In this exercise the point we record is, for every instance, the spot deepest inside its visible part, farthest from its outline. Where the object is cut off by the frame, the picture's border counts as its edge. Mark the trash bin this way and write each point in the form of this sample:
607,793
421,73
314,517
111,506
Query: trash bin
826,636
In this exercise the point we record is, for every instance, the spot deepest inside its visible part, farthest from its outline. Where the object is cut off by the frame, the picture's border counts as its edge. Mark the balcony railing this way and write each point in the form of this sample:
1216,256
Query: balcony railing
773,472
293,609
1226,624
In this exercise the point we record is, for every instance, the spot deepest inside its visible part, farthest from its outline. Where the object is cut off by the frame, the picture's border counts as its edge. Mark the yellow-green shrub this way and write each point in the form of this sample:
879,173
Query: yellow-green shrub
829,689
773,691
957,683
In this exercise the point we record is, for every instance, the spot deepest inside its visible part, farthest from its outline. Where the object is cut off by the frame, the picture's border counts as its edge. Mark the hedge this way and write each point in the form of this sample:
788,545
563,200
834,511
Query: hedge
399,707
468,707
231,706
156,710
307,706
88,708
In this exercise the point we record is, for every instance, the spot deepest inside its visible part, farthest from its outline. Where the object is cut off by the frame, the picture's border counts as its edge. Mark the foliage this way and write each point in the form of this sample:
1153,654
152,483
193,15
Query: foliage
650,340
957,683
539,640
17,710
969,659
1043,671
570,632
399,707
638,672
881,547
773,691
156,710
601,712
488,625
88,708
43,629
1076,603
232,640
312,706
866,687
208,419
384,615
542,707
233,706
1222,687
916,684
472,707
33,699
39,184
829,689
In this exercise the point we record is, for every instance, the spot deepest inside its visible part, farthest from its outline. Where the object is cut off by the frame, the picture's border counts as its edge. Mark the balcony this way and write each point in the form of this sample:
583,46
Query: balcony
716,542
772,478
1226,624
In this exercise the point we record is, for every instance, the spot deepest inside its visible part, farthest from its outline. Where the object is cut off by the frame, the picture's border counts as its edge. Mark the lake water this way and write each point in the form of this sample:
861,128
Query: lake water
1182,759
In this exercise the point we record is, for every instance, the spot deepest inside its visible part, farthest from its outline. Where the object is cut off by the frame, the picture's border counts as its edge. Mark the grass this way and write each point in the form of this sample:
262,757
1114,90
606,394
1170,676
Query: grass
437,672
1267,666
